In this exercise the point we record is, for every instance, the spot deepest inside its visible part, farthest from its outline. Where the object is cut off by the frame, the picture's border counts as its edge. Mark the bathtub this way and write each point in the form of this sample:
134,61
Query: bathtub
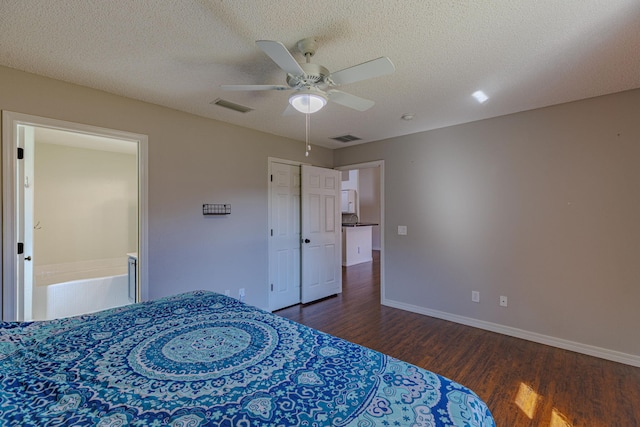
69,289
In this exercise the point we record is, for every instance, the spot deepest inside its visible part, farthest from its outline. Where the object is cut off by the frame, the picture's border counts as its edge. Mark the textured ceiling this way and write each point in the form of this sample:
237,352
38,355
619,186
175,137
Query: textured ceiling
524,54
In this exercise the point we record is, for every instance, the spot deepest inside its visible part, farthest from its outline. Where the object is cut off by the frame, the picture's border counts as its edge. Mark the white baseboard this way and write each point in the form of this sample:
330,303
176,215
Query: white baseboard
603,353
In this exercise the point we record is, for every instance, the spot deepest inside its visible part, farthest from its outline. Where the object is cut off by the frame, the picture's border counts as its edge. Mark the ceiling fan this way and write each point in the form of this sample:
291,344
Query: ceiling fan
313,84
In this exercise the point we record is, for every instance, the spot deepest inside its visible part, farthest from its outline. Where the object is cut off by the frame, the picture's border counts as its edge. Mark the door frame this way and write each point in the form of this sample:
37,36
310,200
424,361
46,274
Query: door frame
10,122
366,165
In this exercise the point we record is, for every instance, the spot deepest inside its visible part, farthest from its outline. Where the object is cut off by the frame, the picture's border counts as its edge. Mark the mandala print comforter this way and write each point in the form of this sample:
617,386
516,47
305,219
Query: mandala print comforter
203,359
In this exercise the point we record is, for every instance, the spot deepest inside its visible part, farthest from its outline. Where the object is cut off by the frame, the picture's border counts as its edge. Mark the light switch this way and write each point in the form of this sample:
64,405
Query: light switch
402,230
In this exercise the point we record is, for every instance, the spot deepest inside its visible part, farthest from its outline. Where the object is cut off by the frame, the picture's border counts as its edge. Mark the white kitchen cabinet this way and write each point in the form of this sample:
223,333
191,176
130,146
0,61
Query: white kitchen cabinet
356,245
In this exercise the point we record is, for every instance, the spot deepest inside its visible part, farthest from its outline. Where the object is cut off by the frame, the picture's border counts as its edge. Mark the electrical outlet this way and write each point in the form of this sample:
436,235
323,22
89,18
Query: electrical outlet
475,296
402,230
503,301
241,294
227,292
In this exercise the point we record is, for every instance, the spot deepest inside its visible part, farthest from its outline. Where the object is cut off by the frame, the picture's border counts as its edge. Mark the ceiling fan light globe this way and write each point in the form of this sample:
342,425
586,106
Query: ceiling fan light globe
307,102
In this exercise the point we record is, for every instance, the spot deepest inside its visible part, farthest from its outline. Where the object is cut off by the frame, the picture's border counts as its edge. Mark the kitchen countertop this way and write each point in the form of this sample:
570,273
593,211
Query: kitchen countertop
359,224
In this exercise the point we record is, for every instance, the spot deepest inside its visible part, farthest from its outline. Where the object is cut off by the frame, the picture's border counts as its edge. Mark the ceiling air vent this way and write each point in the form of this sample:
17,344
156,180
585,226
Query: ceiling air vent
346,138
231,105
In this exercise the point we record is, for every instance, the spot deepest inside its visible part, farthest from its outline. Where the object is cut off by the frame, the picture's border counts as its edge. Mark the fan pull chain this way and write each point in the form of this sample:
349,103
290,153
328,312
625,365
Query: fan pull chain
307,122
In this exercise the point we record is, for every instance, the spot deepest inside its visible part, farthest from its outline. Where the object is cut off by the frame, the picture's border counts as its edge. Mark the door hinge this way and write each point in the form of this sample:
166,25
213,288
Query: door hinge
271,178
20,248
20,153
272,232
272,287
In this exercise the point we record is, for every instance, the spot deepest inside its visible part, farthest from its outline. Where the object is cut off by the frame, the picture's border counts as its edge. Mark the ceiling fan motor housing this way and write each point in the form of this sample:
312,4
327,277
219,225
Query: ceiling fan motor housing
314,75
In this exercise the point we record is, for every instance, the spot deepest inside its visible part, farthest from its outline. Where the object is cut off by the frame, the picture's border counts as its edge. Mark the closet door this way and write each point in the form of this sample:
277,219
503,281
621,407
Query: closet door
321,233
284,238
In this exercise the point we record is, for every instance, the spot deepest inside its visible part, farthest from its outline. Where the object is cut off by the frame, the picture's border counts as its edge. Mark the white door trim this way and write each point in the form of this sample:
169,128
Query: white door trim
373,164
10,122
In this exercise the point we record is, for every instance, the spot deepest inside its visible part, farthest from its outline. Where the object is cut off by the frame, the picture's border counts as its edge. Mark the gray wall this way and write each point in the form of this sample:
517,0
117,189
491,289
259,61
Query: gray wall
192,160
541,206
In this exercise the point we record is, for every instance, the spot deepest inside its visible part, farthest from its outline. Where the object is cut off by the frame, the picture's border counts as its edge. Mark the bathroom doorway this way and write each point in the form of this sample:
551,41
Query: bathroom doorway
79,216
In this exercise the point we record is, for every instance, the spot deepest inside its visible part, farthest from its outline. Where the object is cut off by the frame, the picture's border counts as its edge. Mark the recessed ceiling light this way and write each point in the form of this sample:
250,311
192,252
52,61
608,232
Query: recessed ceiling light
407,116
480,96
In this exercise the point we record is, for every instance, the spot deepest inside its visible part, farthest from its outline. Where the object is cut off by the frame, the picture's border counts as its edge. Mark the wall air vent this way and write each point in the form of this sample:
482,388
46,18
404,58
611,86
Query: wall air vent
346,138
231,105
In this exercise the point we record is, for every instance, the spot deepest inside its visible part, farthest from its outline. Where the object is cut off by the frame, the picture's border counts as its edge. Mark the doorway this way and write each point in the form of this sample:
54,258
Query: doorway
74,206
367,179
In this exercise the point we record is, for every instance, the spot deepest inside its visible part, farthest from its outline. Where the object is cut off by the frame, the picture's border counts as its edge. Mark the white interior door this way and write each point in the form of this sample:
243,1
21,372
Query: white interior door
284,239
321,233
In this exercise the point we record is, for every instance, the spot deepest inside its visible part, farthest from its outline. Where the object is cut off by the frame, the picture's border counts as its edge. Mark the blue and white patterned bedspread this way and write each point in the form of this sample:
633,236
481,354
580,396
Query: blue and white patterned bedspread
203,359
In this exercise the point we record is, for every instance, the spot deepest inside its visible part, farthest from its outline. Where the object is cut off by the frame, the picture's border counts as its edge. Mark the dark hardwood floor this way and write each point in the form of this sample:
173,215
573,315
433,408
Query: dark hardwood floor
523,383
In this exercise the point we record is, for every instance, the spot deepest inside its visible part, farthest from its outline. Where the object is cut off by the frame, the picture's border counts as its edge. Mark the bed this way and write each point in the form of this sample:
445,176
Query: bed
204,359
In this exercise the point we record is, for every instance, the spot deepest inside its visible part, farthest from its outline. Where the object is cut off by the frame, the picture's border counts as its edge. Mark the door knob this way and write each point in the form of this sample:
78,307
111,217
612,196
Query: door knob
27,258
307,241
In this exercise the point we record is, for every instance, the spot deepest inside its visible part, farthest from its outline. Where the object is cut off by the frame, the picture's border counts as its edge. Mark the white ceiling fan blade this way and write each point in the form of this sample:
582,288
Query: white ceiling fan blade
366,70
254,87
349,100
281,56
